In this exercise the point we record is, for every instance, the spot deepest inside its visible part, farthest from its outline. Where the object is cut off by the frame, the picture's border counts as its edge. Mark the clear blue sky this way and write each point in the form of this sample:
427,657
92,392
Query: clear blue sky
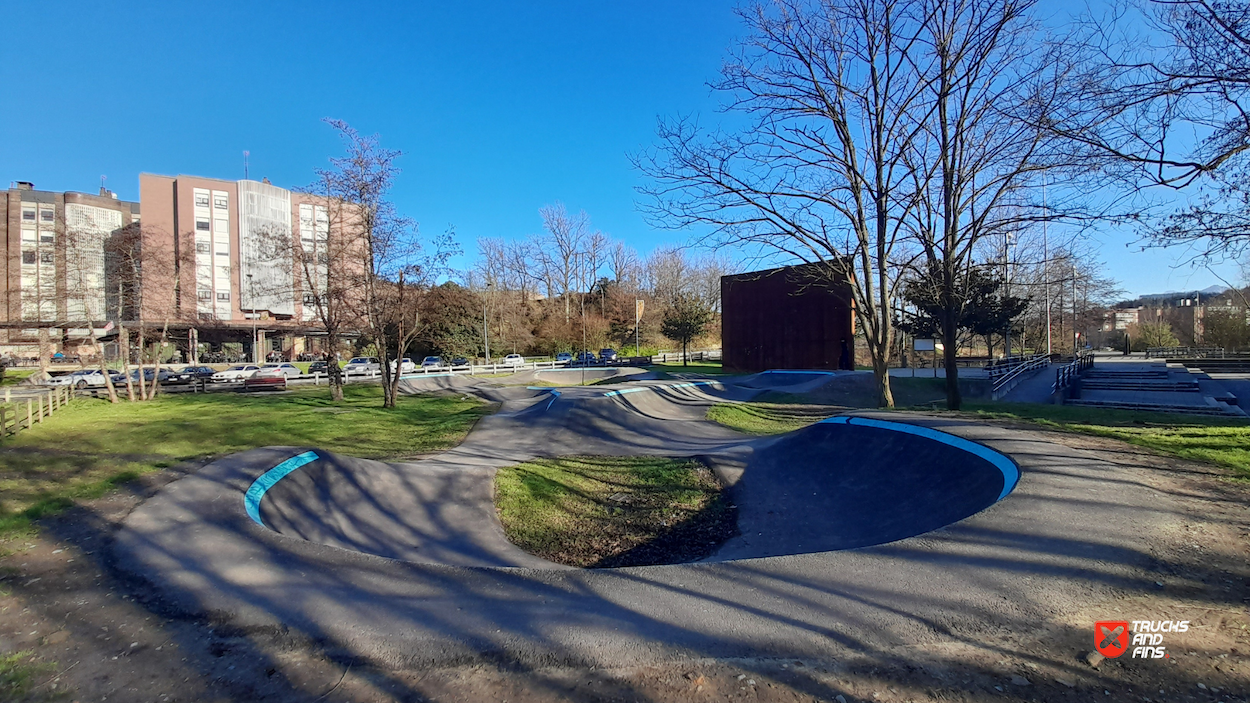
500,107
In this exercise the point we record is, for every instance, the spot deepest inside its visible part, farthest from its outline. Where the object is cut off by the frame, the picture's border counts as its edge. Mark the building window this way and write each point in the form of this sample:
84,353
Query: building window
47,238
220,203
204,294
45,257
28,257
207,316
223,297
28,215
45,215
223,253
202,247
309,299
201,201
201,225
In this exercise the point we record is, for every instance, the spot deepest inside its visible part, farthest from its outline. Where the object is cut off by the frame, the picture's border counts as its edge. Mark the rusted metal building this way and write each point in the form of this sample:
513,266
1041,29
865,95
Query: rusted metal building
786,318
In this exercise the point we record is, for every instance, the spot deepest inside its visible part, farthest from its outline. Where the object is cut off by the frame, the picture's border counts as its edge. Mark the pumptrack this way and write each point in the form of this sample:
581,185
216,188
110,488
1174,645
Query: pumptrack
407,561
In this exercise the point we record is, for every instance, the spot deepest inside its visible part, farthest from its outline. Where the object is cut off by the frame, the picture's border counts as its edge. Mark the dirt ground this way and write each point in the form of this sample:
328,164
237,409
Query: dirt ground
93,636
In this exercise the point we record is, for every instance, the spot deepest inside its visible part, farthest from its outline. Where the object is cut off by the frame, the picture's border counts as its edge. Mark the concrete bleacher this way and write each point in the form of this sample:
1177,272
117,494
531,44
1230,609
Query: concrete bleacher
1153,386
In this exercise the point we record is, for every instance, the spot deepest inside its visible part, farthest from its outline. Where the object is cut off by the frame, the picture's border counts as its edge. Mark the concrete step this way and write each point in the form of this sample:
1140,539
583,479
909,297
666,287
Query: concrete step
1127,385
1231,411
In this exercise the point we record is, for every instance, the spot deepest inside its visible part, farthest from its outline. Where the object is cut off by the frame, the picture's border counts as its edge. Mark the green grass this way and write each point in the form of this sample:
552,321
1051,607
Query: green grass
19,673
90,446
1217,440
12,377
767,418
702,367
665,510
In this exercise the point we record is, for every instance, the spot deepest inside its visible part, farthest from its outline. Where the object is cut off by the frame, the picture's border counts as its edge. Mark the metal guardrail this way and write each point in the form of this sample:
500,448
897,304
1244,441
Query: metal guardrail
1005,376
1189,352
1068,373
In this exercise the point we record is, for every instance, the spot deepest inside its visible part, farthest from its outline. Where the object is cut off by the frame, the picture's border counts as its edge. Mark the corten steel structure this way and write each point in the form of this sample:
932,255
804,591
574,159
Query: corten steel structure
786,318
219,262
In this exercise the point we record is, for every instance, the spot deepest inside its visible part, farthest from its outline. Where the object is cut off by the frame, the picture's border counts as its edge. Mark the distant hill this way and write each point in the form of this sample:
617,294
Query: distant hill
1156,298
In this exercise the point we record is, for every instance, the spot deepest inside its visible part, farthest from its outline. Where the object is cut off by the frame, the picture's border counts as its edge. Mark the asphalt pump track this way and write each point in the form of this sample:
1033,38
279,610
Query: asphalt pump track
856,532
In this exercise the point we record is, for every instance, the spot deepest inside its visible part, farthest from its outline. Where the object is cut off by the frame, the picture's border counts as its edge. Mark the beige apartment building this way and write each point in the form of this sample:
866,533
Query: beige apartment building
217,261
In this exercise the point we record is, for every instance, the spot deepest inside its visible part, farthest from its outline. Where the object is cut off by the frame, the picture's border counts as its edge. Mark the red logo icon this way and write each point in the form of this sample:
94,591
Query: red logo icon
1111,637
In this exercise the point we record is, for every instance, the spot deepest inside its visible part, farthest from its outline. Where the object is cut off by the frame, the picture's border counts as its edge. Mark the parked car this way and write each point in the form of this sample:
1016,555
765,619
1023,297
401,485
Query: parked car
606,355
431,361
268,378
165,375
287,369
234,374
563,358
196,373
85,378
405,366
514,360
586,358
362,365
460,361
320,367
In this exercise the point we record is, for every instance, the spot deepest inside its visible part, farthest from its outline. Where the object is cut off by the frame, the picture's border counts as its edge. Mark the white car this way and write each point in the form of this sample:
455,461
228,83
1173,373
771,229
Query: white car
288,370
405,366
362,365
85,378
235,374
514,360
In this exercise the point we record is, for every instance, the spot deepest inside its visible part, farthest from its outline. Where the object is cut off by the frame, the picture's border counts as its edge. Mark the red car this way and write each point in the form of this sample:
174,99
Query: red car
266,379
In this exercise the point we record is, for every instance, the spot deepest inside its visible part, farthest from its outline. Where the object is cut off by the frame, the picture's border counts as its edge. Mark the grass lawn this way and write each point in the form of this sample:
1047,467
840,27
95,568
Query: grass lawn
12,377
613,511
1221,441
703,367
767,418
90,446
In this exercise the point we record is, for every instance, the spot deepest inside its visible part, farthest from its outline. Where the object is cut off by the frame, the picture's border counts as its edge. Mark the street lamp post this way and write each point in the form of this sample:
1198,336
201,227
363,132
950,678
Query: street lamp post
251,291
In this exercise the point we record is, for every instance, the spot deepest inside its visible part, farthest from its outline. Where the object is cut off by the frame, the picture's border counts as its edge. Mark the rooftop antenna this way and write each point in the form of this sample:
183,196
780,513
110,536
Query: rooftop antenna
102,180
245,155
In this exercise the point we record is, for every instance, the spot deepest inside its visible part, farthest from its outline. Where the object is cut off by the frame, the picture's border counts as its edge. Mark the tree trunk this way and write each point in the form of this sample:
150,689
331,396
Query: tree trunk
881,374
123,349
156,368
949,332
108,379
143,384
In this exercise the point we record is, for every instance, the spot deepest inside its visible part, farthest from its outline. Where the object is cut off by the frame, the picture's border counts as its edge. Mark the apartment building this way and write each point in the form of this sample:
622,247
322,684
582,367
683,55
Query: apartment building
218,260
54,264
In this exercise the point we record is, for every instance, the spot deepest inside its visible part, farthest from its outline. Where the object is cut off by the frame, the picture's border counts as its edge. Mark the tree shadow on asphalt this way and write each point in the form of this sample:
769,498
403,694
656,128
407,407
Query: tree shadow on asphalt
754,613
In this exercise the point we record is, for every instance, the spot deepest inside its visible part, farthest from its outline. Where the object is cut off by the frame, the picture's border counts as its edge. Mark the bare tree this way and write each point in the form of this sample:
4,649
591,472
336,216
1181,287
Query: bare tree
559,251
381,246
1167,86
820,175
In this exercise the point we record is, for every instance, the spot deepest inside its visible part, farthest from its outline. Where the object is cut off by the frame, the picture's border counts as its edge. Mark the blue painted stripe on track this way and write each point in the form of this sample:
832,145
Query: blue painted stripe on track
555,394
1011,472
251,499
640,389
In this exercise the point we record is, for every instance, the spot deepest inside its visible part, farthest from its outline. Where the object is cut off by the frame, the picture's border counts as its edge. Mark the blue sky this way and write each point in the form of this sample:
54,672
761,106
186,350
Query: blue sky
500,107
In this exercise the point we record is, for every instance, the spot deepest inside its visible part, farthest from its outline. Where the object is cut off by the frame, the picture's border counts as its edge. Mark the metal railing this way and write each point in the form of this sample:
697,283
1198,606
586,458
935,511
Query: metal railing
1069,373
1005,376
1187,352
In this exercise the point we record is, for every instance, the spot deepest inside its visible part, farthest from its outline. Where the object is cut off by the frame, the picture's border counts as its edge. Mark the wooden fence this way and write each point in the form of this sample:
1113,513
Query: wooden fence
21,412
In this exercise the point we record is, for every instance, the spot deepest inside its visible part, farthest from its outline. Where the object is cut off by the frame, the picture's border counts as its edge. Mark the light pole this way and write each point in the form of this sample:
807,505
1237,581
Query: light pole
251,292
1046,265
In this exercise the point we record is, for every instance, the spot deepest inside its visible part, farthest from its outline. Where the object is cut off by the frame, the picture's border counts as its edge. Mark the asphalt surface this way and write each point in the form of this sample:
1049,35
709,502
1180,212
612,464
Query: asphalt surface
852,538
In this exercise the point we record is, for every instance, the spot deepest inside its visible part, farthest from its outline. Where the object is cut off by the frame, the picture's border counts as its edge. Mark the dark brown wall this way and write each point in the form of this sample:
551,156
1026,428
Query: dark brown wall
784,319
